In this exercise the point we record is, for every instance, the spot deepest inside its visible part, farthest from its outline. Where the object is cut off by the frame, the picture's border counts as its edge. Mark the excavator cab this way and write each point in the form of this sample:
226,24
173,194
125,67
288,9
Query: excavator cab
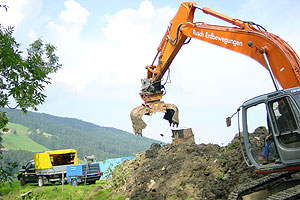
275,116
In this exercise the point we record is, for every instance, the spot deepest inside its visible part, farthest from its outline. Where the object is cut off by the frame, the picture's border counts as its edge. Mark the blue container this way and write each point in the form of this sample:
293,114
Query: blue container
77,174
110,164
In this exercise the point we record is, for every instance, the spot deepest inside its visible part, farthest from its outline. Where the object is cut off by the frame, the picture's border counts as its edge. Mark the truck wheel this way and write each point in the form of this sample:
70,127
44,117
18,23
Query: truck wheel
74,182
22,182
92,182
40,181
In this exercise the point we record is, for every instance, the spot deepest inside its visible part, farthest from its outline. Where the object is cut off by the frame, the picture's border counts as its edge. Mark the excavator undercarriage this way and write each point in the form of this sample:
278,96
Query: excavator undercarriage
279,186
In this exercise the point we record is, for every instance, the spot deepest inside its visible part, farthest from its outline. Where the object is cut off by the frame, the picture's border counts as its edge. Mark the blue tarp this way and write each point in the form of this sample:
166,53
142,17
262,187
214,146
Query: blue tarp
108,165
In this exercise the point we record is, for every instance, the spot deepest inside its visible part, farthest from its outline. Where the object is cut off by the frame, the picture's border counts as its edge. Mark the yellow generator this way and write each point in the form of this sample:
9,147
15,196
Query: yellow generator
51,166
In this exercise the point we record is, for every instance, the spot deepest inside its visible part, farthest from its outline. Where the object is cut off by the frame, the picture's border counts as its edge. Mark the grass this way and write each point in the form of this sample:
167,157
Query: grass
20,140
54,191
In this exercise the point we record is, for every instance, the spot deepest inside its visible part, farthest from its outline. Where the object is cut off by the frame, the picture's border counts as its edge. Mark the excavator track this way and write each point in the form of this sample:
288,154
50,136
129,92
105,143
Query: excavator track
290,194
266,182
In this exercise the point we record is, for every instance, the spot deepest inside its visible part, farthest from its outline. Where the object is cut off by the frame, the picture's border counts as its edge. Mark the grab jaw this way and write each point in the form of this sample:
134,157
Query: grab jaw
170,110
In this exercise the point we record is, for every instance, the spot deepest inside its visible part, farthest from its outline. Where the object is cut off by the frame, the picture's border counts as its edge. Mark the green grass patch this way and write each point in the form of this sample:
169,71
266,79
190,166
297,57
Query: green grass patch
20,140
54,191
19,128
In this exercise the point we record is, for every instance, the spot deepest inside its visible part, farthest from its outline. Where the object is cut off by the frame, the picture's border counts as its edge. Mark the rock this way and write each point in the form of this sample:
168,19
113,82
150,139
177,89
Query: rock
151,186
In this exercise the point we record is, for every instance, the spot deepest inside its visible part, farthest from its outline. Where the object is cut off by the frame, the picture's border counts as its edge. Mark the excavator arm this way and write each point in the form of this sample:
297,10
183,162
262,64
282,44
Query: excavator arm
244,37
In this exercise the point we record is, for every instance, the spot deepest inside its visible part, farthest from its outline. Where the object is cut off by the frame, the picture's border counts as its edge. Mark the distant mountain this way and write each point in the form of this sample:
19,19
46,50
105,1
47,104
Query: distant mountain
54,132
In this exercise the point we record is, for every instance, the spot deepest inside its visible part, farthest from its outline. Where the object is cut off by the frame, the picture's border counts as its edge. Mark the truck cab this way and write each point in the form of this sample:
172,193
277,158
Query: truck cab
27,174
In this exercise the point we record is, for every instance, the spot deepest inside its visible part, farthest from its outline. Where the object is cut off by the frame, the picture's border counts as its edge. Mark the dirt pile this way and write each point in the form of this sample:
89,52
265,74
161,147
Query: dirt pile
185,171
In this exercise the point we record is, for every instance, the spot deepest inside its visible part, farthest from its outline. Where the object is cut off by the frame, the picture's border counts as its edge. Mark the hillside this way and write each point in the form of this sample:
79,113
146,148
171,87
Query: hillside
20,139
39,132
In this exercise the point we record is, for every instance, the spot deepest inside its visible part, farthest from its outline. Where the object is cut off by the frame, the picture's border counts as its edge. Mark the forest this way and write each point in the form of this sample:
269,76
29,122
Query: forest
63,133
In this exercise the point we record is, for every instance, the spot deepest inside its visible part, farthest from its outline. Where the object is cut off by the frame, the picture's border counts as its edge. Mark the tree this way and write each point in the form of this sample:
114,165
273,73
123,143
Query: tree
23,80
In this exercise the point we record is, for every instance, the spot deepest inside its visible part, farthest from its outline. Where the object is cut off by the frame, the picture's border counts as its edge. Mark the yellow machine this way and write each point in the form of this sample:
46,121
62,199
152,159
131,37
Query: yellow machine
49,159
51,166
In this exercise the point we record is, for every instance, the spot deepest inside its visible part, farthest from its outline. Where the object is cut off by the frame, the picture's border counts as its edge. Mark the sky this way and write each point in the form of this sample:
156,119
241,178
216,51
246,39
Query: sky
104,47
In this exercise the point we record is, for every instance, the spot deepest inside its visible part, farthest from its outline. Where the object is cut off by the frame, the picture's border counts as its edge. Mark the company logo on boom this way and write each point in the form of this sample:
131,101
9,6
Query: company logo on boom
212,36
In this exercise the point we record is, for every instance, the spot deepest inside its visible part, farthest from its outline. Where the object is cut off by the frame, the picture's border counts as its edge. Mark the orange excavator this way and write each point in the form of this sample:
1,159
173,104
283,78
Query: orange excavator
245,37
252,40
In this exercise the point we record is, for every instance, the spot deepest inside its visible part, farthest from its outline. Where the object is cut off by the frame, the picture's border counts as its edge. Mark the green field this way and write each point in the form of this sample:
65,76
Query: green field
20,140
54,191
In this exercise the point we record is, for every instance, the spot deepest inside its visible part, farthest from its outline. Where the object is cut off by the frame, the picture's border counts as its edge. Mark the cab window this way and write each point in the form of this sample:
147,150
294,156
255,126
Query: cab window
284,115
30,165
286,120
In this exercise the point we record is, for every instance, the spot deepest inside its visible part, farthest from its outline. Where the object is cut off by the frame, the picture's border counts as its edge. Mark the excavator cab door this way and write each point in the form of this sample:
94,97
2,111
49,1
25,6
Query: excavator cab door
286,123
271,131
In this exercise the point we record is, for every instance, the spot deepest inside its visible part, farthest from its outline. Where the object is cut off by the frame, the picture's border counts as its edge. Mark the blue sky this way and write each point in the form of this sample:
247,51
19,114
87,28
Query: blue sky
104,47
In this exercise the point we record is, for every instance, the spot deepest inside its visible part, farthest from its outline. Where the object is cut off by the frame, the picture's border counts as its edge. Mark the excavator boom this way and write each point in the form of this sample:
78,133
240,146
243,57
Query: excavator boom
244,37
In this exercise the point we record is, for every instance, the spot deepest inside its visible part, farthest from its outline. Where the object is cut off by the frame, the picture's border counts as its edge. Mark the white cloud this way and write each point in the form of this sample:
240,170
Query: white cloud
146,10
116,60
14,15
33,35
133,26
74,13
67,31
19,11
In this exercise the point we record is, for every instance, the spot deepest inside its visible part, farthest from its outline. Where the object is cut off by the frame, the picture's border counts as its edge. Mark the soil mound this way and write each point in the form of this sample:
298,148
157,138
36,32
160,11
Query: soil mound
185,171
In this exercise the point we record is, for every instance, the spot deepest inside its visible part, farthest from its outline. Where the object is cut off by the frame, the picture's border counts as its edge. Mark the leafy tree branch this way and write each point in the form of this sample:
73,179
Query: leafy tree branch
22,80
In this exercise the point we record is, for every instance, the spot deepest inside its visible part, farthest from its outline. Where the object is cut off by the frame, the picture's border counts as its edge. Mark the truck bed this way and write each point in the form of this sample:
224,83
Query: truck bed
54,170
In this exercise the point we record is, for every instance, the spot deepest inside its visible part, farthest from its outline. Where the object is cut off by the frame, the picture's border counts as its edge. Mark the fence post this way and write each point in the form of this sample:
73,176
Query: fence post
62,181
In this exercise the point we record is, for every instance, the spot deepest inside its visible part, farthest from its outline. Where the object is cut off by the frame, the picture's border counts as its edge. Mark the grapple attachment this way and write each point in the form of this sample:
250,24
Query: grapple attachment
170,110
